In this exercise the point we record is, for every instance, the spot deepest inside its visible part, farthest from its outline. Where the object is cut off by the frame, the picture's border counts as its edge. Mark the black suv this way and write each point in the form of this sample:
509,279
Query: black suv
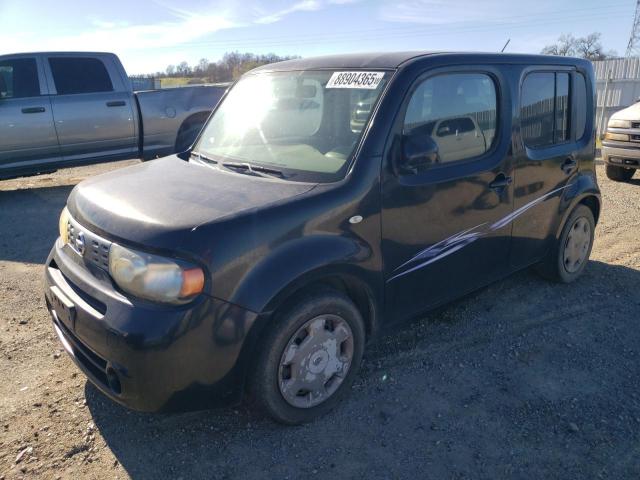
324,198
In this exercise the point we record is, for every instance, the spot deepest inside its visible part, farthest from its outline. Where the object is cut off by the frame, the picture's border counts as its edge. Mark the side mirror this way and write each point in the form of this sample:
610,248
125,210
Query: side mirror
418,153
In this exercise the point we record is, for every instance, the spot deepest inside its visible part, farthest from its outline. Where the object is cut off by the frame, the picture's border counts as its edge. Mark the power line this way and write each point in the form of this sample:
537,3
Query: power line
341,37
583,12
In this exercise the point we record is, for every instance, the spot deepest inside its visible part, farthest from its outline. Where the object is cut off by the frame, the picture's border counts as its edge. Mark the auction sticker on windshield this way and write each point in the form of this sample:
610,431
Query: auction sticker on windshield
369,80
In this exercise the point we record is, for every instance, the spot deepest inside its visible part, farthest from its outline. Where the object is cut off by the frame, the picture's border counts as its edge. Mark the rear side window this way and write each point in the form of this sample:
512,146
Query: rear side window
581,105
19,78
545,109
458,111
562,107
79,75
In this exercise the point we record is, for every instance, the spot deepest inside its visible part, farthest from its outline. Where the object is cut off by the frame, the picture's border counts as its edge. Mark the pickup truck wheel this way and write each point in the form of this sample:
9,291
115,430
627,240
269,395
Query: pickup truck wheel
619,174
570,254
309,358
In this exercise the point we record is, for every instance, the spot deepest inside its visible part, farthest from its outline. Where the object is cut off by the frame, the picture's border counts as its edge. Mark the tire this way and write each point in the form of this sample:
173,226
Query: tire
619,174
568,257
268,381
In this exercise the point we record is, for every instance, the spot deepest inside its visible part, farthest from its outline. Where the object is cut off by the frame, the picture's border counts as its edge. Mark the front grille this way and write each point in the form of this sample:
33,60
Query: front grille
95,249
98,253
635,124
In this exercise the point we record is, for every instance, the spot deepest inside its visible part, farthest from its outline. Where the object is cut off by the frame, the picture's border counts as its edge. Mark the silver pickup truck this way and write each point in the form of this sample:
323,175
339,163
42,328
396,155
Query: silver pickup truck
62,109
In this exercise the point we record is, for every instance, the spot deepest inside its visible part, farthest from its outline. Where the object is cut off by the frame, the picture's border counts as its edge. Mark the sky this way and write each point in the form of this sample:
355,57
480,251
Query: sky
148,35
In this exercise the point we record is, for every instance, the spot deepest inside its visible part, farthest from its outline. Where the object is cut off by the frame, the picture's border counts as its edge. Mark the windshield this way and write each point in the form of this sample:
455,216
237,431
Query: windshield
306,124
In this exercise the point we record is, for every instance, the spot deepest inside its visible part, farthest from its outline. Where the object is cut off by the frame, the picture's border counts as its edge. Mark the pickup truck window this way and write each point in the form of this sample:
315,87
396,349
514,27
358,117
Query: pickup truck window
19,78
305,123
460,108
73,75
544,113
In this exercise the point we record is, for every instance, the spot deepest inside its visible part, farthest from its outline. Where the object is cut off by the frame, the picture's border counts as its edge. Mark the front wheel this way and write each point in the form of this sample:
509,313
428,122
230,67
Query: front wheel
569,256
309,357
619,174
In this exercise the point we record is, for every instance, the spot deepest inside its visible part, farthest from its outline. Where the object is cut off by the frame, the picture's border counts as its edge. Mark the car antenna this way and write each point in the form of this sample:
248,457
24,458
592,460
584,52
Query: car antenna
505,45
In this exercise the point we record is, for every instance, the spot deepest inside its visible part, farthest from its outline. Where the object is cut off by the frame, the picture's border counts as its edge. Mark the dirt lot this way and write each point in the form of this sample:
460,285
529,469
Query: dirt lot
522,379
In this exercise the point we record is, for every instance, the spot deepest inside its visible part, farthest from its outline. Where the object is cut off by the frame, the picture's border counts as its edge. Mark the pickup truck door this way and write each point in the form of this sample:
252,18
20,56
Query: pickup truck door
446,228
92,108
27,134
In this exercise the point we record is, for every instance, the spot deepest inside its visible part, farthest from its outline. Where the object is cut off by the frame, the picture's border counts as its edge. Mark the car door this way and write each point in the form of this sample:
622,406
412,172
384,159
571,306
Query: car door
546,161
27,134
92,108
445,227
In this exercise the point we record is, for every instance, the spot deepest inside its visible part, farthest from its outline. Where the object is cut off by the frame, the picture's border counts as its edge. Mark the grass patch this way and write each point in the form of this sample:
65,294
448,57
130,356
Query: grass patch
180,81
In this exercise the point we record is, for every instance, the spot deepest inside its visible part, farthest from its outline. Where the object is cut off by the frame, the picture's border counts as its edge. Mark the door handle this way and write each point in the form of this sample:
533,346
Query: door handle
116,103
500,182
33,110
569,165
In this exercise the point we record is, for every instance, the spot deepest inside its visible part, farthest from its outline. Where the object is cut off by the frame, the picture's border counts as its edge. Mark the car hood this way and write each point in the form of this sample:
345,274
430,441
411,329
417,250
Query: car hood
159,203
629,113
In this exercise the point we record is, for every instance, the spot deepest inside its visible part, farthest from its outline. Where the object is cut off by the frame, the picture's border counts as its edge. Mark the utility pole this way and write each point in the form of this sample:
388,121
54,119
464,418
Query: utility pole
633,48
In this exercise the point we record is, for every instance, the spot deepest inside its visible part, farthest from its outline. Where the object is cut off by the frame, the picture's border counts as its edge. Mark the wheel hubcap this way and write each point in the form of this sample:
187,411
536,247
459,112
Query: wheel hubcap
315,361
577,245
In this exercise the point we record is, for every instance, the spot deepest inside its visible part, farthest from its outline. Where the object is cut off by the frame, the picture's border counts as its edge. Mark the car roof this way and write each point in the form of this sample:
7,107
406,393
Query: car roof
394,60
56,53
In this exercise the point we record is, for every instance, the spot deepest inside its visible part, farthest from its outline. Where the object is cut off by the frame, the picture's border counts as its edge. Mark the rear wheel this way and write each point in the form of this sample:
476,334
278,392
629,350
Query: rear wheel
309,357
570,254
619,174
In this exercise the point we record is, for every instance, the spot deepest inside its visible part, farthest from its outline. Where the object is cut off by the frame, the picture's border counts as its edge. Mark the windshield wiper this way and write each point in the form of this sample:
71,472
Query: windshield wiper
254,169
200,156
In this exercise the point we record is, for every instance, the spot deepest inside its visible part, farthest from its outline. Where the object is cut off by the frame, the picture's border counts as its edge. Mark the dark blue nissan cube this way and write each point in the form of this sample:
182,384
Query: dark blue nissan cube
324,199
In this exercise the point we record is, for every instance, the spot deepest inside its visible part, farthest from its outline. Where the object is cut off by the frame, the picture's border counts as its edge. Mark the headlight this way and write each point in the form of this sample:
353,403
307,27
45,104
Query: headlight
153,277
619,123
621,137
63,226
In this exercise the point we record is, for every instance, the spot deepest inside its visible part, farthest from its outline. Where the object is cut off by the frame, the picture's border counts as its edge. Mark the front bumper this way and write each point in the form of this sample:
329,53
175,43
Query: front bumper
621,155
142,355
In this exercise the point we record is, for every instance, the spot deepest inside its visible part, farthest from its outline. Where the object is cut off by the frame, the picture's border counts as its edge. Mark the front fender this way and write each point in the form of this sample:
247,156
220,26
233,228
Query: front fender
301,261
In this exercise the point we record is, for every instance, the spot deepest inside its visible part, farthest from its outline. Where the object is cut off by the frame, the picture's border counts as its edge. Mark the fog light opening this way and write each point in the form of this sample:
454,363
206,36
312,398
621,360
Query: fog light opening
113,380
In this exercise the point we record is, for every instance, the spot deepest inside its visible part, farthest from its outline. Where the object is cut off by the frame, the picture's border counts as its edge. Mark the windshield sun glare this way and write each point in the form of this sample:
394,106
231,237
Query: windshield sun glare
306,124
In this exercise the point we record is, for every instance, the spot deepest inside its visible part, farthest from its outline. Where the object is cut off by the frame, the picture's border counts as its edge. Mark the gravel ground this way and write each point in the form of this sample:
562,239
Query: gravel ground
522,379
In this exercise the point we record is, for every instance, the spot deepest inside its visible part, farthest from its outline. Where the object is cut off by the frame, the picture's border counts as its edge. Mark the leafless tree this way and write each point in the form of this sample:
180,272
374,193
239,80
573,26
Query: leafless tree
591,48
588,47
230,67
183,69
565,46
202,66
